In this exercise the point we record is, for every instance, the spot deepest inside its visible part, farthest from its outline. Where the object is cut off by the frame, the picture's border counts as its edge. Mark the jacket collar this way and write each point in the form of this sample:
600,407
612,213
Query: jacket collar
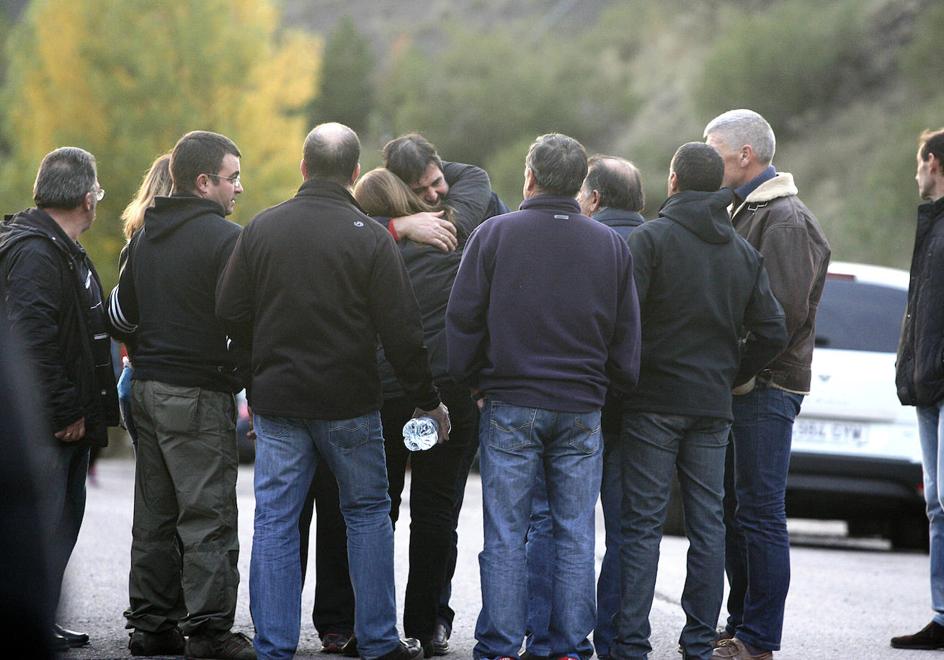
780,186
618,217
551,203
328,189
36,222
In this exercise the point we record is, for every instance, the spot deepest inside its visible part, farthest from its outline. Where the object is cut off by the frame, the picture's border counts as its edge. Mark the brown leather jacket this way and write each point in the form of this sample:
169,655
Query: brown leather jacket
796,255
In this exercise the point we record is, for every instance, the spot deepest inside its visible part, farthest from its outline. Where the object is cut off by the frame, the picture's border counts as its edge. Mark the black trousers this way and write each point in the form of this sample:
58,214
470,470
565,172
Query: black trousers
434,502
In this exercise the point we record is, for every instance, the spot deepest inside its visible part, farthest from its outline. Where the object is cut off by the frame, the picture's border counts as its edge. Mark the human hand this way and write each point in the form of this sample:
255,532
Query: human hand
479,397
73,432
441,414
429,228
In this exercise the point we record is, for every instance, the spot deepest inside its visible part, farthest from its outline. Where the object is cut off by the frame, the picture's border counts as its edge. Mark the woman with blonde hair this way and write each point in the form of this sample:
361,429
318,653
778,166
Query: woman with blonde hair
156,183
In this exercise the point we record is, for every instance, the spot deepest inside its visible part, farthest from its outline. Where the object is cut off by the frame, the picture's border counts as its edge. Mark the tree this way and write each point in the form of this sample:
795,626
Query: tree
347,90
126,79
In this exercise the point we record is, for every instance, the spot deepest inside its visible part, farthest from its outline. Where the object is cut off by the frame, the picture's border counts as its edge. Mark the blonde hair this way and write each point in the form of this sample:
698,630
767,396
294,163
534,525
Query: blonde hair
156,183
380,192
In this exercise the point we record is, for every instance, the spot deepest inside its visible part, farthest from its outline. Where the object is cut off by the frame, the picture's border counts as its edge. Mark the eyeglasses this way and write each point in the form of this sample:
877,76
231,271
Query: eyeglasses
233,178
99,193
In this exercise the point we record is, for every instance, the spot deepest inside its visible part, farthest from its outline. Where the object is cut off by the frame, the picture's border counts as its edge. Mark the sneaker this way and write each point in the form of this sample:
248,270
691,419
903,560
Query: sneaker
409,649
167,642
226,645
928,638
735,649
334,642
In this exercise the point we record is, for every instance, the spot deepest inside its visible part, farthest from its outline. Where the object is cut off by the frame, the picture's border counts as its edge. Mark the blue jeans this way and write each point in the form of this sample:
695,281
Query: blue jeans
608,584
287,453
758,547
539,550
517,444
931,430
653,446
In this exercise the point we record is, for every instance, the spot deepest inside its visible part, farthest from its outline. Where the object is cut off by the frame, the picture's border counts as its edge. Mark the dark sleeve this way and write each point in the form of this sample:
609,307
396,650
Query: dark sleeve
239,347
470,192
626,346
641,248
122,304
234,292
766,329
466,315
396,315
34,299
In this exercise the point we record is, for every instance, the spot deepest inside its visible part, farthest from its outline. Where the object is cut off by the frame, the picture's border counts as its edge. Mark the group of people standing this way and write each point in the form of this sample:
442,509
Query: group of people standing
582,352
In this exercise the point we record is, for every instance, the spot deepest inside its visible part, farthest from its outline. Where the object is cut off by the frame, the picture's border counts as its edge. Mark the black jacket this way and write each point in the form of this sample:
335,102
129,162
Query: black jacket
312,283
701,287
166,295
919,372
52,299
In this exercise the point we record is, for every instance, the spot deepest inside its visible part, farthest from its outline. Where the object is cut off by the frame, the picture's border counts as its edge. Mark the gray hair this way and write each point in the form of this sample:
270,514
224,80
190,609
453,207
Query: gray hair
65,176
742,126
558,163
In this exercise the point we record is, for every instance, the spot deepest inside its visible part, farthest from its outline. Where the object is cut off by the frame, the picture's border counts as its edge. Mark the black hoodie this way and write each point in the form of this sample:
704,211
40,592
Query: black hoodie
166,295
702,288
52,297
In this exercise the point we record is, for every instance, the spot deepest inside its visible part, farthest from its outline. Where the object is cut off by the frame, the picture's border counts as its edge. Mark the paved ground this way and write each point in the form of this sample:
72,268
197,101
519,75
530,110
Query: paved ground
846,600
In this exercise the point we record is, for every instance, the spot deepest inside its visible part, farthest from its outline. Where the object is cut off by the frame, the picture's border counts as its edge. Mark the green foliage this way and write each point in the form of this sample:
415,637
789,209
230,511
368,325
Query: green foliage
784,61
921,59
126,79
347,89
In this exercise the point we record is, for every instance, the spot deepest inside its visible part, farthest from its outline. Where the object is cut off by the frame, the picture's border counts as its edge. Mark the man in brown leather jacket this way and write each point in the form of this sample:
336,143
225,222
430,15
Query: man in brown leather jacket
767,212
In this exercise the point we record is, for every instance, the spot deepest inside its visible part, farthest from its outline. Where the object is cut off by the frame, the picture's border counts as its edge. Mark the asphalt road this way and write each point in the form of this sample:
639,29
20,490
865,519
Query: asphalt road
847,597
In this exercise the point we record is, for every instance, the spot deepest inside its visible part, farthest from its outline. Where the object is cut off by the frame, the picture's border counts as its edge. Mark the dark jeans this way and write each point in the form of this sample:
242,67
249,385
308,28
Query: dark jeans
334,596
758,547
434,504
653,447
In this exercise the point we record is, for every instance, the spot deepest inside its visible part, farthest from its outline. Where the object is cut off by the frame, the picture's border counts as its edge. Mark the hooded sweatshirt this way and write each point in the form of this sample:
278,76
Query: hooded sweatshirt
166,296
702,288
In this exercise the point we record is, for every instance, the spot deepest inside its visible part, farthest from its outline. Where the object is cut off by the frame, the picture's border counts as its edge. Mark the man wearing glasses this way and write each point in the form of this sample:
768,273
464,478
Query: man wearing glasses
185,375
53,301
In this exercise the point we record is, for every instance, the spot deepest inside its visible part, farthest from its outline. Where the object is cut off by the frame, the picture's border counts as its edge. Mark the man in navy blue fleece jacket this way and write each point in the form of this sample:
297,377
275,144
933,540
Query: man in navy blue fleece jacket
543,317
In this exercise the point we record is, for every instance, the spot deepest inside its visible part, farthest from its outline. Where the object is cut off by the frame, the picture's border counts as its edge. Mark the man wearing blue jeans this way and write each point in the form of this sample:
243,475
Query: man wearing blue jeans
710,322
767,212
542,316
315,282
920,371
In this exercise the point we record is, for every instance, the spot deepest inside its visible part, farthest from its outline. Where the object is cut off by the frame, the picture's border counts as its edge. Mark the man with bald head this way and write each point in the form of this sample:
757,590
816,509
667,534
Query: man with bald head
317,282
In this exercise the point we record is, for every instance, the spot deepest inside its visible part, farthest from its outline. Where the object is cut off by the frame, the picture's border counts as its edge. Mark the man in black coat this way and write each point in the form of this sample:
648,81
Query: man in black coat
920,371
702,290
53,300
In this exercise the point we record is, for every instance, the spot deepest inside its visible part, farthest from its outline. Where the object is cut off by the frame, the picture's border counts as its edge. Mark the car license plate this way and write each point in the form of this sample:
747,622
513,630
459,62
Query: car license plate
820,435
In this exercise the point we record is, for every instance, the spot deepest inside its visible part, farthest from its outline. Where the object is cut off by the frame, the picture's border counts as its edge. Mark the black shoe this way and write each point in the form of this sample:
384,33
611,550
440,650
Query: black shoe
58,643
167,642
220,645
349,650
439,644
928,638
527,655
409,649
75,639
334,642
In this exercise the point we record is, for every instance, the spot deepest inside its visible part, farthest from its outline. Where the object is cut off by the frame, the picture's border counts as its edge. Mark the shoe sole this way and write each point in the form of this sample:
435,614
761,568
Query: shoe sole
918,647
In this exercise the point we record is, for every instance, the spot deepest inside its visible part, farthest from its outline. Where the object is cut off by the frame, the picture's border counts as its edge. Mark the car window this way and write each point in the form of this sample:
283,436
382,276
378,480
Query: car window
859,317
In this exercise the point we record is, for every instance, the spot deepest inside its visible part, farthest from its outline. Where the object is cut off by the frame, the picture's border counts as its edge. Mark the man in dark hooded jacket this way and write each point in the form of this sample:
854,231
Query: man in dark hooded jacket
185,376
53,300
700,286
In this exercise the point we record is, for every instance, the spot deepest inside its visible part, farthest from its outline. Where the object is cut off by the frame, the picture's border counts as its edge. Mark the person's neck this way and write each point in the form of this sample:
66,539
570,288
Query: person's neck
72,222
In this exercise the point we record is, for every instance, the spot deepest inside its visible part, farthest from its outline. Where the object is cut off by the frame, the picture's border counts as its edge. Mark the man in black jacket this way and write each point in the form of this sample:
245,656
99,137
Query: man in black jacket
700,287
185,376
311,285
920,371
53,300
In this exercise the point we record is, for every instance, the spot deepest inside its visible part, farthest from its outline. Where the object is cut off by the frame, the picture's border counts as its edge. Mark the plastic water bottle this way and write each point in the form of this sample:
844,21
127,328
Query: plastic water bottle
420,433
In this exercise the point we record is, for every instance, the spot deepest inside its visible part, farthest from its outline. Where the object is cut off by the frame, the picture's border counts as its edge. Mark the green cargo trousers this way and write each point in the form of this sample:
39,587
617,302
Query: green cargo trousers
184,544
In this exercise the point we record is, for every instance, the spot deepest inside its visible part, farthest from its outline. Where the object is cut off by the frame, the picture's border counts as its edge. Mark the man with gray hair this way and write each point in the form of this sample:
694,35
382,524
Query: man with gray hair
767,212
311,285
53,300
542,319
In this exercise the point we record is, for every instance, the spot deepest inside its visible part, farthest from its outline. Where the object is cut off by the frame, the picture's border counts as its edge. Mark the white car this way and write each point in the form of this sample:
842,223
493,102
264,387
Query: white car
856,454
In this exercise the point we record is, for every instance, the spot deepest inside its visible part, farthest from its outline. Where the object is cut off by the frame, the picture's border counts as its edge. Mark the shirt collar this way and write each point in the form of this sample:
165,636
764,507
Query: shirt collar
743,191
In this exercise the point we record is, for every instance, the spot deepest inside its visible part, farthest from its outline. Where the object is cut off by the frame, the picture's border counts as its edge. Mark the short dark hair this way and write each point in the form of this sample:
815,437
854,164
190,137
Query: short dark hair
331,152
932,142
617,181
65,176
196,153
558,163
698,166
409,155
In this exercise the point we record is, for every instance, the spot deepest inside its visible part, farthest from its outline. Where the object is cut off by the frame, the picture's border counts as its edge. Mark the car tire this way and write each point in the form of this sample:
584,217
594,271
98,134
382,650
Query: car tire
909,533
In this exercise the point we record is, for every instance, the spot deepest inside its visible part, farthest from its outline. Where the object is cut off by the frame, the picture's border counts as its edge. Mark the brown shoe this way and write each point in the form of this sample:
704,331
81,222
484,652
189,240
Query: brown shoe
722,634
734,649
928,638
